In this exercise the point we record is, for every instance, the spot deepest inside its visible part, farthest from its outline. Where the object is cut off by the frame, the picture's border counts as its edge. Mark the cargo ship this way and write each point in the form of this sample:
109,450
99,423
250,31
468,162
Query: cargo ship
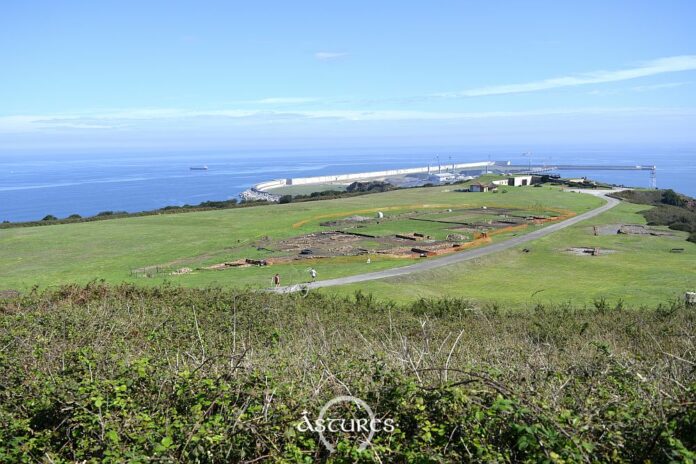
198,168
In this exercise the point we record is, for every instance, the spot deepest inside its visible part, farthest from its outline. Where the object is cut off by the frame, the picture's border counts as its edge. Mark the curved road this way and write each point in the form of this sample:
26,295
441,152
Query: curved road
463,255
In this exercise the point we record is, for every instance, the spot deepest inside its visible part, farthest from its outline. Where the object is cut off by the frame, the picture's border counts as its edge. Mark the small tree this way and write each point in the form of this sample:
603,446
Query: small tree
49,217
670,197
285,199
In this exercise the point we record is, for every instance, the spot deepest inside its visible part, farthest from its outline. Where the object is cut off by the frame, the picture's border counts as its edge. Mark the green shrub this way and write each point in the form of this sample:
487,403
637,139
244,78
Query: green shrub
670,197
671,209
369,186
129,374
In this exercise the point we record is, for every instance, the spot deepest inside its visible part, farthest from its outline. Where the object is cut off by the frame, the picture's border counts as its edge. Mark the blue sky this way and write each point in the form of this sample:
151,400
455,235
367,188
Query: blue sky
224,74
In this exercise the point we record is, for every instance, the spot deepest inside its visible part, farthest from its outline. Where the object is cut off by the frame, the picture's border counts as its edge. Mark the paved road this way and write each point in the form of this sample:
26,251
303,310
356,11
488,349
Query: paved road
462,256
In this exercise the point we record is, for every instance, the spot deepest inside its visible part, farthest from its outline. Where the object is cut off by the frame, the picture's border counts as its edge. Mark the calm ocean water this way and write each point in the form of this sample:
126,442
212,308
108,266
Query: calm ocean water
32,186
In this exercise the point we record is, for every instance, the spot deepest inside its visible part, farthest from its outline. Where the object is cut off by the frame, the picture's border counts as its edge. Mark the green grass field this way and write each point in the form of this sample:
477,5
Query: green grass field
640,270
400,226
307,189
109,250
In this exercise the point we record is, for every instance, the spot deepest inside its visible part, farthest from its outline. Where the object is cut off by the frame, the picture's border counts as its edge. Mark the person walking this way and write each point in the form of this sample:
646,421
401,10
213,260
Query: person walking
276,280
313,274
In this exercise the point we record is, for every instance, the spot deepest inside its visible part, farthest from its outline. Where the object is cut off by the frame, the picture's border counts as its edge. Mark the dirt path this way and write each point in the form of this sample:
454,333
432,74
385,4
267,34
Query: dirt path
462,256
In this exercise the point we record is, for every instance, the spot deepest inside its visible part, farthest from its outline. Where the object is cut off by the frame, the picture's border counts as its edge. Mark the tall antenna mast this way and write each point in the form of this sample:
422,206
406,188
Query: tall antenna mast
529,155
653,178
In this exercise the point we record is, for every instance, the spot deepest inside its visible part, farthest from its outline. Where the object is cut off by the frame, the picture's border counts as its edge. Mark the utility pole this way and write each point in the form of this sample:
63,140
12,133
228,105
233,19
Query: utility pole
529,155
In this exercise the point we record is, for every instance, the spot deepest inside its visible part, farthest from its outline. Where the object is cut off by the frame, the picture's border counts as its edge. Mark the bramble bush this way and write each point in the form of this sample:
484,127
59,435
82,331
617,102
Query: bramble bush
128,374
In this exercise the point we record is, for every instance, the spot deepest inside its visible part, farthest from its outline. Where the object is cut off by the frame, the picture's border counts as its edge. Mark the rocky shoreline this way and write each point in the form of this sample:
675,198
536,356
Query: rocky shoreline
253,194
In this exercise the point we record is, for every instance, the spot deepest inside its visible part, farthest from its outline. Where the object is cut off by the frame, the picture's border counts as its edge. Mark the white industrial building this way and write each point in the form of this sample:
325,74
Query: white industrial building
516,181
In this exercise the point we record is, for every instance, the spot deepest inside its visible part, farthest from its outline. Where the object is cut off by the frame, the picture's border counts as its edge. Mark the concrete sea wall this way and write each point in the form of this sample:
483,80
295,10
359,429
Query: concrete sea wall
260,191
366,175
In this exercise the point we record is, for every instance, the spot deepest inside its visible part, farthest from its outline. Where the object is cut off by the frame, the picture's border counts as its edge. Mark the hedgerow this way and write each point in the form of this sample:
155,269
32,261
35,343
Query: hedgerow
100,373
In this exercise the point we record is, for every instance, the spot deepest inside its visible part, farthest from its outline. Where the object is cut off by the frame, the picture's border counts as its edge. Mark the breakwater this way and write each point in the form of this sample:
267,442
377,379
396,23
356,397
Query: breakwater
260,190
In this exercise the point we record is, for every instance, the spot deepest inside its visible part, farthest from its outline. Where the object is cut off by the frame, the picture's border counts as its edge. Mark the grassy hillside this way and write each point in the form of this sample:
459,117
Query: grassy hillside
307,189
636,269
110,250
132,374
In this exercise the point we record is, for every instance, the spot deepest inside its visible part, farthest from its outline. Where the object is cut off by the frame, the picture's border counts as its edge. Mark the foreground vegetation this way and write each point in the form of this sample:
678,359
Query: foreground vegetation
178,375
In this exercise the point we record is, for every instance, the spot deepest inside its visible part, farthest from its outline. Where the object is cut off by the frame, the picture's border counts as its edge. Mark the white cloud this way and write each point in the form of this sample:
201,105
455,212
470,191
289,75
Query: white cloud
649,68
136,119
636,89
284,100
648,88
325,56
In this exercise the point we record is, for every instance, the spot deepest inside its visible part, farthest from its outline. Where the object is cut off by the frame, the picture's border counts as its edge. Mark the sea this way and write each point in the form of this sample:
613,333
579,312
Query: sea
35,185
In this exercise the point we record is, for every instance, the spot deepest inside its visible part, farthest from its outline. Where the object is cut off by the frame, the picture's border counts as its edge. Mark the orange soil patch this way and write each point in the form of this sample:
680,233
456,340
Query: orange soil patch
464,246
404,255
504,230
564,214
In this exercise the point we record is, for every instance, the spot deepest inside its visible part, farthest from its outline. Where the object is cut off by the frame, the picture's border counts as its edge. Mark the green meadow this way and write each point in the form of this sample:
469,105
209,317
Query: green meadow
307,189
630,269
641,269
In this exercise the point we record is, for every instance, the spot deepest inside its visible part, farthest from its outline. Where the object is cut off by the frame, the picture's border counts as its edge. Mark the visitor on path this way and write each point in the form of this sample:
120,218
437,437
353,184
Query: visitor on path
276,280
313,274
